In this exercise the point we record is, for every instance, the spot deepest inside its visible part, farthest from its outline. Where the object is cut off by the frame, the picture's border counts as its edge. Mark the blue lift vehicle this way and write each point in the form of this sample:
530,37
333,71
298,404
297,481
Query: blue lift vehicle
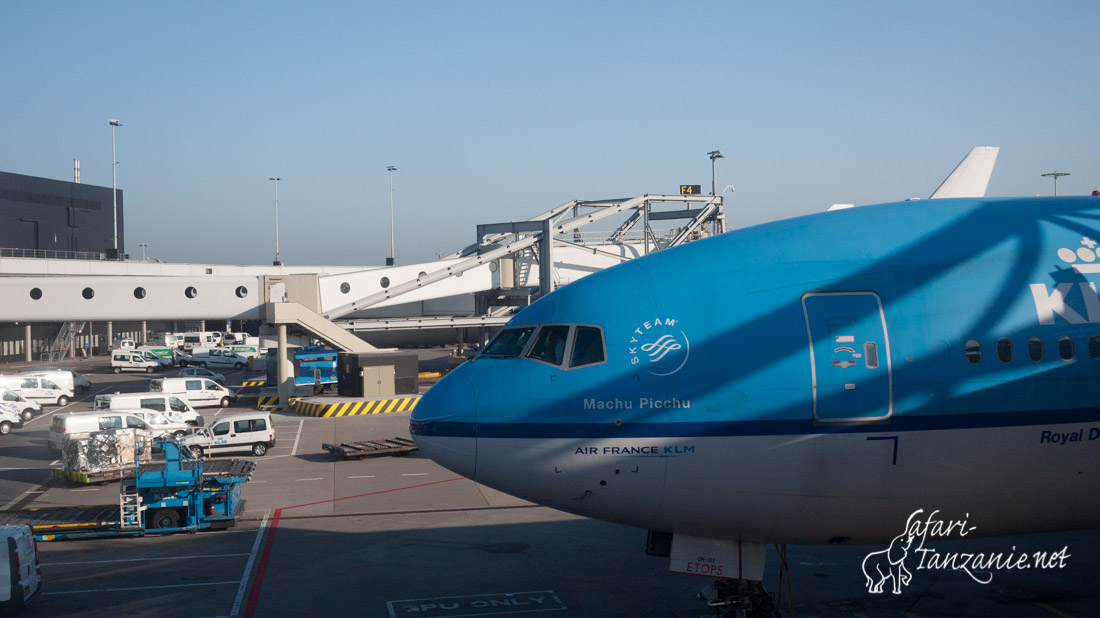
173,493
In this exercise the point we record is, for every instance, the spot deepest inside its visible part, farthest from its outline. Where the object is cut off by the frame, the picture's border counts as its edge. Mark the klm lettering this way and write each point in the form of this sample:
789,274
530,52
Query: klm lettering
1049,303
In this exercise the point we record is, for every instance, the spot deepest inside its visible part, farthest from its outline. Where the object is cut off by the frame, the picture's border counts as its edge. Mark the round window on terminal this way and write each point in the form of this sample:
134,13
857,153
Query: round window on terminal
242,291
139,293
88,293
345,287
190,292
36,293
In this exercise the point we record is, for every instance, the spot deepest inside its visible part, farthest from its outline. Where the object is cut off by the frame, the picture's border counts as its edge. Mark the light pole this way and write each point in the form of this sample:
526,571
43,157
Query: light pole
114,179
1056,175
391,260
714,154
277,262
143,245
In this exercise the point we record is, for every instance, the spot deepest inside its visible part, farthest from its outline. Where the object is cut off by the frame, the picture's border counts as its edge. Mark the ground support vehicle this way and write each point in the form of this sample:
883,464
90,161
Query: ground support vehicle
174,492
371,448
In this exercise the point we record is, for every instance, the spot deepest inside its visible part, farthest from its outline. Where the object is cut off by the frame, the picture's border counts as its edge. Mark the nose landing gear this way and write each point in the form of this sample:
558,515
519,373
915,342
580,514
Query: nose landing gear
739,598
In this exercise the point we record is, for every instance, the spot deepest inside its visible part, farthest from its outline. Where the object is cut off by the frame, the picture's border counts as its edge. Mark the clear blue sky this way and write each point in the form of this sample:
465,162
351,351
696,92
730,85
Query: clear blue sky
495,111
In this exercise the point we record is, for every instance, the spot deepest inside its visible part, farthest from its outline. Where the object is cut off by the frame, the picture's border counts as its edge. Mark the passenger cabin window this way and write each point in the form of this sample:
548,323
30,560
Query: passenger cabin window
1094,346
1004,350
549,345
973,351
241,426
221,429
509,343
194,385
134,422
30,383
1065,348
587,347
177,405
1035,349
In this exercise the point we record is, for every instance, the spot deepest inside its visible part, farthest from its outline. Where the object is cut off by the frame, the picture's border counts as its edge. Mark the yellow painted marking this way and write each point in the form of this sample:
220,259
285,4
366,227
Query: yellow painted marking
368,409
404,402
393,403
415,401
1056,612
342,408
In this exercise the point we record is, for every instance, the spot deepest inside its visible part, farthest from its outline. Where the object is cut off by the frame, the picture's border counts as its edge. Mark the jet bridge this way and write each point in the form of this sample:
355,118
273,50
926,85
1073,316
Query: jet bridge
523,247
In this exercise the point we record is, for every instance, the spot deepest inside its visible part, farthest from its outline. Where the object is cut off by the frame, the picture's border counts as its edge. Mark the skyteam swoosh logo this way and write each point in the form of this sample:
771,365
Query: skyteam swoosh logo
659,346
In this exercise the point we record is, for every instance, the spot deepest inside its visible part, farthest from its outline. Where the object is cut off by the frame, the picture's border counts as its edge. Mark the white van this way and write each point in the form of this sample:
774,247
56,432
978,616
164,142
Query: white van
27,408
19,569
160,426
9,418
122,360
67,378
251,431
43,390
174,407
87,422
200,339
217,357
200,392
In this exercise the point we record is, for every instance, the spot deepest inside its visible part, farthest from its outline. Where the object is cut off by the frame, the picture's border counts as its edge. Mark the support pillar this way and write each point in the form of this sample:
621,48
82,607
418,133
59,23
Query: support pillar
27,342
202,325
144,334
286,380
110,335
546,260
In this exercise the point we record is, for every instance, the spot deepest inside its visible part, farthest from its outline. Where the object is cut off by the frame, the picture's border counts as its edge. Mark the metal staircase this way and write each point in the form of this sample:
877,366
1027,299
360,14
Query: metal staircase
64,341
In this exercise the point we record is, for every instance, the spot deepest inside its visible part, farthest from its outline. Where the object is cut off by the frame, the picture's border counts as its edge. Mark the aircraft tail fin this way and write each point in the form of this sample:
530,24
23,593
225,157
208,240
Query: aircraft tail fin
971,175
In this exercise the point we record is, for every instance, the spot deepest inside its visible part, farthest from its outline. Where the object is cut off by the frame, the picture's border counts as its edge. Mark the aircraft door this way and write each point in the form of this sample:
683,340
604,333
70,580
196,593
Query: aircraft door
849,357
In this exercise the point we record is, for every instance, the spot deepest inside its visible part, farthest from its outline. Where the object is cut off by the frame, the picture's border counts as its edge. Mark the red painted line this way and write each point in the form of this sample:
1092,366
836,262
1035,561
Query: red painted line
261,569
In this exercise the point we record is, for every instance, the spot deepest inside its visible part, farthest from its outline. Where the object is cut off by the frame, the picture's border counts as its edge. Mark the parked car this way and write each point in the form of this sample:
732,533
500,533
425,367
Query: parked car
174,406
202,372
218,357
200,392
42,389
251,431
19,568
160,425
27,408
87,422
122,360
9,418
67,378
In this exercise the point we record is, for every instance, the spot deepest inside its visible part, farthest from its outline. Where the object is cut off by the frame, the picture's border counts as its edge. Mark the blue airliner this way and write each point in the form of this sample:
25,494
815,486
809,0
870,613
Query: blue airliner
814,380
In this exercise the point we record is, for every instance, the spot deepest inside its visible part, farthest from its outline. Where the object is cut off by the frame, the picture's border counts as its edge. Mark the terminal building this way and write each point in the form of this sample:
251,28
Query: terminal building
68,293
40,217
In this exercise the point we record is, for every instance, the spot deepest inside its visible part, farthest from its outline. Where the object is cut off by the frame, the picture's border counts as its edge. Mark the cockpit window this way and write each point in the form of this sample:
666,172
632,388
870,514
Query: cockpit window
587,347
549,346
509,342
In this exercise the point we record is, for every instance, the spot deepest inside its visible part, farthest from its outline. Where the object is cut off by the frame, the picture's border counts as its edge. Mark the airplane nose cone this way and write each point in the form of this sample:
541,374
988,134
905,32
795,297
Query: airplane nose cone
443,424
